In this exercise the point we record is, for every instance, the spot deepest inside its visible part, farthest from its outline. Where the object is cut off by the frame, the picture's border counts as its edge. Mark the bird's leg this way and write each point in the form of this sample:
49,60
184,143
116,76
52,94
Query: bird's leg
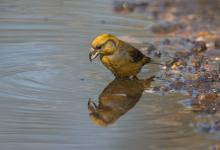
121,78
134,78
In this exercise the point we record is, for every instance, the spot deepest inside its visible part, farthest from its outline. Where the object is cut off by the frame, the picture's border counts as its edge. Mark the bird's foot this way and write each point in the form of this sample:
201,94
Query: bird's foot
134,78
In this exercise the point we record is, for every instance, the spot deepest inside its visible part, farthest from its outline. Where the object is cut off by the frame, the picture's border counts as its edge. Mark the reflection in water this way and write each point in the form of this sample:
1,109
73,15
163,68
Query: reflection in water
116,99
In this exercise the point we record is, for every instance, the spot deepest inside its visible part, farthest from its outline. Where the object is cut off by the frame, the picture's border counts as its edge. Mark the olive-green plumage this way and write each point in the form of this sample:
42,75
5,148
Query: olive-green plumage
121,58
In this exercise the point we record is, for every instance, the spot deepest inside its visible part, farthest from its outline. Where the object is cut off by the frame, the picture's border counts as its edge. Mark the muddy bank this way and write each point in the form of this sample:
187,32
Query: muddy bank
190,53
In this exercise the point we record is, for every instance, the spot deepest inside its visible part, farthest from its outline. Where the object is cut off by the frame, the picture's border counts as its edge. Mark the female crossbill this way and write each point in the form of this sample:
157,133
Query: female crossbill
121,58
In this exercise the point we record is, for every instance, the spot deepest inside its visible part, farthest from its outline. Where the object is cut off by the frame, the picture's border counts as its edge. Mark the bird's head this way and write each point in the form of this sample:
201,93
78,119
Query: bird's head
104,44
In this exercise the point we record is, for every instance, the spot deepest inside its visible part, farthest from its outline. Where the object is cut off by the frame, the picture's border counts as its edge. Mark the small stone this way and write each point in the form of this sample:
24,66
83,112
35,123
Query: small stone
217,43
123,6
164,67
157,54
199,46
182,54
166,42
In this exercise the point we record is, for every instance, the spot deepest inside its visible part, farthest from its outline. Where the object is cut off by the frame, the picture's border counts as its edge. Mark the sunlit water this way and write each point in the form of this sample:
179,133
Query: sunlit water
46,80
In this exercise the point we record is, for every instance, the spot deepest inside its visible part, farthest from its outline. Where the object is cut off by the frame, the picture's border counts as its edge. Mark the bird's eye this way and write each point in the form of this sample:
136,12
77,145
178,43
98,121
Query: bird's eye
98,47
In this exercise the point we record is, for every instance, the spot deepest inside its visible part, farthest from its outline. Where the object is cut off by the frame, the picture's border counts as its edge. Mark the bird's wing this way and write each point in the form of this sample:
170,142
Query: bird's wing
137,56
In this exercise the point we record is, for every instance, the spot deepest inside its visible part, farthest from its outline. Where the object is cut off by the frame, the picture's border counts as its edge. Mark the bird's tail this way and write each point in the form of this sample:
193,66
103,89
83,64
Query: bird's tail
146,60
153,61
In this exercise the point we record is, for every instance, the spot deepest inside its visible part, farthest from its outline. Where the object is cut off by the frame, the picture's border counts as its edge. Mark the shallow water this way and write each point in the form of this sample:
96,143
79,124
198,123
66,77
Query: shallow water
46,80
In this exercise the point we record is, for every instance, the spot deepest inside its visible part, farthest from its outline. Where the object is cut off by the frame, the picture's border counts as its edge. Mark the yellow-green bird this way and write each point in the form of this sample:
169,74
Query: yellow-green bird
121,58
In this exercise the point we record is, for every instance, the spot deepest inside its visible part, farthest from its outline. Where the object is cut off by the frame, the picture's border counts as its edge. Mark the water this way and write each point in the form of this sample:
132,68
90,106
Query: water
46,80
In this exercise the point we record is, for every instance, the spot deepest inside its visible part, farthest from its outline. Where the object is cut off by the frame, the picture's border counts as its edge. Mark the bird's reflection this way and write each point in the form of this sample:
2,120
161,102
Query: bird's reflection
116,99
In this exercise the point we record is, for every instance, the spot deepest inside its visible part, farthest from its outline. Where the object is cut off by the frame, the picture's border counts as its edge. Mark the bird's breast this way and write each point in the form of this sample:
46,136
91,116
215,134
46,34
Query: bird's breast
121,67
113,62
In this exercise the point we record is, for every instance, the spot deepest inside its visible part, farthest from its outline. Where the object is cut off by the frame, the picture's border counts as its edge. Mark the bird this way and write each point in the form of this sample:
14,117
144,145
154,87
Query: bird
121,58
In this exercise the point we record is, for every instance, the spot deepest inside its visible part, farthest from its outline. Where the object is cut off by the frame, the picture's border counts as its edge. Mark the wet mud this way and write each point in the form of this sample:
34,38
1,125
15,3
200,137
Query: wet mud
188,46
